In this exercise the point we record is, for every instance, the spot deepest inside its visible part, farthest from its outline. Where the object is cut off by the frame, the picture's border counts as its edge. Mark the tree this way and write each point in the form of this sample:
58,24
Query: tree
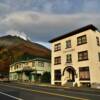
46,77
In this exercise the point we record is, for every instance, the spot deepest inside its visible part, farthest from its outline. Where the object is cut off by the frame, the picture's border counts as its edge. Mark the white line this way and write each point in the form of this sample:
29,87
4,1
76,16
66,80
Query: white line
11,96
45,92
82,93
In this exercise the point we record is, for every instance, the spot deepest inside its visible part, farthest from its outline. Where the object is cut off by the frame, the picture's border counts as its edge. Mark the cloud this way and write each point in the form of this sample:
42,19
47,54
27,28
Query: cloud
54,6
42,26
43,20
91,6
4,9
17,33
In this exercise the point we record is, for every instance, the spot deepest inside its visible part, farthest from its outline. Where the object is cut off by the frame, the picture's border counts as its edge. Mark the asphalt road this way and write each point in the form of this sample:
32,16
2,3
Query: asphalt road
12,91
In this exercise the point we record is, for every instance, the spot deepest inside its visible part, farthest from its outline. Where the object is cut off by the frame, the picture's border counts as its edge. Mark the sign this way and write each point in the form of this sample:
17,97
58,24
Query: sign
70,50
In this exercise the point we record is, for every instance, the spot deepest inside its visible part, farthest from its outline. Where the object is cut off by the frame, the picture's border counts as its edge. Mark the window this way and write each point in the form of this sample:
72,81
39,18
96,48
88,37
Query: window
26,63
16,67
57,74
98,42
19,66
41,64
84,73
68,44
99,56
81,40
33,64
57,60
57,47
69,58
82,55
11,68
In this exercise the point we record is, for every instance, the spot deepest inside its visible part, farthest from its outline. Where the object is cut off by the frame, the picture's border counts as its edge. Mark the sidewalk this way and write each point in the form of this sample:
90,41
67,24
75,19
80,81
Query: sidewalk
59,87
41,84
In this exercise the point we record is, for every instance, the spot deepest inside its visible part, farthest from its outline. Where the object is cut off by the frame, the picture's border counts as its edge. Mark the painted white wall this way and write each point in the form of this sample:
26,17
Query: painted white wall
91,46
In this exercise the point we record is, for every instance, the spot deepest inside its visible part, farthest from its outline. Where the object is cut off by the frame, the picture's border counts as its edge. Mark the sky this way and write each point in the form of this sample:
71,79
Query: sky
42,20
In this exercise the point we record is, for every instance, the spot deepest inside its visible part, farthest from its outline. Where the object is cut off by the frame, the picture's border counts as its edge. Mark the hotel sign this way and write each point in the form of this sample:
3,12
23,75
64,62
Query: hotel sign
70,50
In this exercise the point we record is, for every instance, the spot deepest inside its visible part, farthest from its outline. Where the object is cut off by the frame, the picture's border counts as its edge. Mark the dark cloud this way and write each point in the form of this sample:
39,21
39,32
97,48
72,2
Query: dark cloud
44,19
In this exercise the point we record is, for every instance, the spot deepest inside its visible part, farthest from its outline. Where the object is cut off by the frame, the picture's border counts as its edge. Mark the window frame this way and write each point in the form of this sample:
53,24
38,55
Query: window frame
69,58
56,76
83,55
40,64
98,41
99,56
57,60
86,73
68,44
81,40
57,47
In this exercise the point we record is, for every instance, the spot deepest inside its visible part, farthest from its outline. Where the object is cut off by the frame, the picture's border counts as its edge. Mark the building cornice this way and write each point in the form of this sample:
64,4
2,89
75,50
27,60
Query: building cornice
77,31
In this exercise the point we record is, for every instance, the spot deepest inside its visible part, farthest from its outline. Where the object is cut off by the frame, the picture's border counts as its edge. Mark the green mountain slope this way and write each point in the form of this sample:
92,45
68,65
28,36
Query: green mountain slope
13,47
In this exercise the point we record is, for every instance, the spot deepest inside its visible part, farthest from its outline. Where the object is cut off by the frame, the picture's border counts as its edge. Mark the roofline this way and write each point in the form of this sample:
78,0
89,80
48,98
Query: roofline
23,61
90,26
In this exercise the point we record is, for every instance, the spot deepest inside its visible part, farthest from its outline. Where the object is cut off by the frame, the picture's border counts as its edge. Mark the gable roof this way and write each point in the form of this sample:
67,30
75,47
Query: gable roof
90,26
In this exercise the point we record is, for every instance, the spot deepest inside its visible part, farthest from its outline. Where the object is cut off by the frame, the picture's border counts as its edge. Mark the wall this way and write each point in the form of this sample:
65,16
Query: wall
92,55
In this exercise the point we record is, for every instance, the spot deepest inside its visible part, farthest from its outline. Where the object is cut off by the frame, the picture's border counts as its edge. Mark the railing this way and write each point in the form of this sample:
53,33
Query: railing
27,68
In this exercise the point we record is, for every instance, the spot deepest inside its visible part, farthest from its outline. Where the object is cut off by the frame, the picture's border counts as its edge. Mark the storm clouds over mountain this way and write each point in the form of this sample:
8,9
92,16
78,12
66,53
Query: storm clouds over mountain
44,19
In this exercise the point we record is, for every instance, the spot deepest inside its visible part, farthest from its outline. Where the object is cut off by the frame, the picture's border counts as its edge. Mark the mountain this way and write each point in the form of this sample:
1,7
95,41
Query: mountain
12,48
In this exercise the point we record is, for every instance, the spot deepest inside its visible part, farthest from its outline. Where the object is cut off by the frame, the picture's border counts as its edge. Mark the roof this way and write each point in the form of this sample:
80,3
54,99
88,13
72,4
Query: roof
28,60
90,26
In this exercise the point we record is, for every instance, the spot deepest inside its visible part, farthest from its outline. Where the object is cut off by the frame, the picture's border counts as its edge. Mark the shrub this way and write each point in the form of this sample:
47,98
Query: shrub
46,77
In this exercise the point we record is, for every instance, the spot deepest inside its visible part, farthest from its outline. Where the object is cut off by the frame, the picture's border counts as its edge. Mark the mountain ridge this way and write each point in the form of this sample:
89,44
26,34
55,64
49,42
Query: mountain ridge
13,47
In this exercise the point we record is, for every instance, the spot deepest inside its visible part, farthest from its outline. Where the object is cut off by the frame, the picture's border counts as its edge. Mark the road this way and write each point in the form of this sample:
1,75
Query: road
15,91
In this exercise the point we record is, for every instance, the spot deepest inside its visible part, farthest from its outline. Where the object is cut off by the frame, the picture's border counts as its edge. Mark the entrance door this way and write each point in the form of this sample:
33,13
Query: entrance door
70,73
71,77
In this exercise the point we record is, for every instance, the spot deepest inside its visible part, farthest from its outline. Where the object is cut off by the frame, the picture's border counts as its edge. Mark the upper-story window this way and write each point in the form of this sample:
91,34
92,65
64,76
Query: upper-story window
68,58
19,65
98,42
82,55
33,63
81,40
26,63
68,44
41,64
99,56
57,60
11,68
57,47
16,67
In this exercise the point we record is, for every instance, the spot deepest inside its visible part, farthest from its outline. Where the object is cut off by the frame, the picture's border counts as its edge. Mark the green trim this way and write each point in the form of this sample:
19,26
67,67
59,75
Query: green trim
35,59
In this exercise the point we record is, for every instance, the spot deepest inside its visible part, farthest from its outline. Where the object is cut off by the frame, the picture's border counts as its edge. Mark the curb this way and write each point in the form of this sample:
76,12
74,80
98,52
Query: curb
42,85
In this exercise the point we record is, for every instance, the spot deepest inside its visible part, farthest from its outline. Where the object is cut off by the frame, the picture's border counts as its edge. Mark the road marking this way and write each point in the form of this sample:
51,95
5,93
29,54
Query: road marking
26,84
62,89
84,93
10,96
49,93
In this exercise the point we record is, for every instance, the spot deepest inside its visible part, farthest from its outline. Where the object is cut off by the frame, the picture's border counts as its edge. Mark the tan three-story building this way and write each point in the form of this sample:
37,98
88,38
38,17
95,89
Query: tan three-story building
76,57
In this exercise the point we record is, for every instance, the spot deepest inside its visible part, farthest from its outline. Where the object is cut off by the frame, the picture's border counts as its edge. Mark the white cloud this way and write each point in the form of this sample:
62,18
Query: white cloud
17,33
35,18
43,20
45,26
4,9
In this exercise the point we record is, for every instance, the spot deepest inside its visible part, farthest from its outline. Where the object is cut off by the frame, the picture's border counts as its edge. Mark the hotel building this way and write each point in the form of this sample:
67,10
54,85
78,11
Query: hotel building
76,57
29,70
